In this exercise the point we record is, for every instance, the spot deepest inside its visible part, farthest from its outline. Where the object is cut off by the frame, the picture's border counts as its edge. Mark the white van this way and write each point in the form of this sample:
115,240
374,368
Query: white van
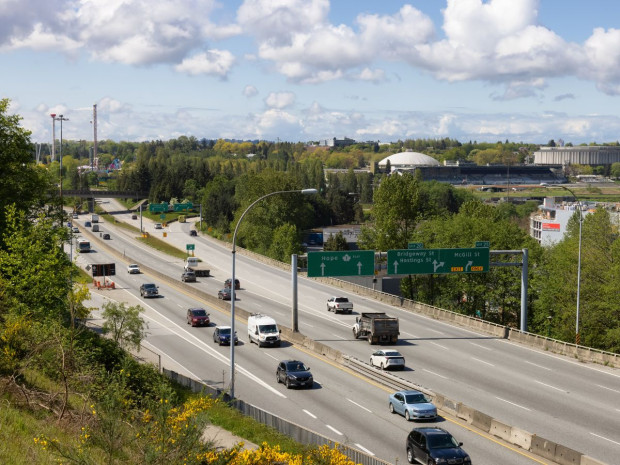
263,330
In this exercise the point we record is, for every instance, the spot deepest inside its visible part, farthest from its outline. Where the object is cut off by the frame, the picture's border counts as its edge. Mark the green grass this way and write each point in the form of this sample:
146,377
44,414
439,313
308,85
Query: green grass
163,246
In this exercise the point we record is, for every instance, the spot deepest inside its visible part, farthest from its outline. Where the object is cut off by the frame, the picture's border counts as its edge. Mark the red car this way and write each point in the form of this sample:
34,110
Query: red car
198,317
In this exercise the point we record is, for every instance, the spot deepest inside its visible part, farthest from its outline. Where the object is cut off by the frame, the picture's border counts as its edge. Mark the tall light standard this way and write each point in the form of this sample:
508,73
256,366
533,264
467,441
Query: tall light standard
61,118
577,338
232,282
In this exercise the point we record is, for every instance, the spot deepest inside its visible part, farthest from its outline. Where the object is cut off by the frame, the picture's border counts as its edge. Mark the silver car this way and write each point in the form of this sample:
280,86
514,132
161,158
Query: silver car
413,405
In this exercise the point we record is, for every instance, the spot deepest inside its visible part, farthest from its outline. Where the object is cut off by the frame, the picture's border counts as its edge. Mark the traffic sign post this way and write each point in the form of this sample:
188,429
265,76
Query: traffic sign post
341,263
438,261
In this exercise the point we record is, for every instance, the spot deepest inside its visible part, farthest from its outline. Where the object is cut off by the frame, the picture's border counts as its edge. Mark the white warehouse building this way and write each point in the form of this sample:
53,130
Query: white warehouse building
597,155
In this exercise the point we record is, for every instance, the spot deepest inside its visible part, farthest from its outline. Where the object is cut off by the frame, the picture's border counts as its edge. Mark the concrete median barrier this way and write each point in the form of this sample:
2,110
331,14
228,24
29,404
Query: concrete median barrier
521,438
501,430
566,456
543,447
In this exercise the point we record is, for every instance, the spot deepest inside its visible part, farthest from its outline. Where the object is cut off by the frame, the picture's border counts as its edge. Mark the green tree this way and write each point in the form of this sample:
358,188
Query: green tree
336,242
22,183
286,242
124,325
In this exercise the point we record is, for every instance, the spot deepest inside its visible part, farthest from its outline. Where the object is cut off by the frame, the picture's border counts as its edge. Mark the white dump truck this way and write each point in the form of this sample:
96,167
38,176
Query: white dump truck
194,264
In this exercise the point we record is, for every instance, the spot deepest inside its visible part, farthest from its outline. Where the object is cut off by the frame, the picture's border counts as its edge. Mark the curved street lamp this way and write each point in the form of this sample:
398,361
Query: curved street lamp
232,282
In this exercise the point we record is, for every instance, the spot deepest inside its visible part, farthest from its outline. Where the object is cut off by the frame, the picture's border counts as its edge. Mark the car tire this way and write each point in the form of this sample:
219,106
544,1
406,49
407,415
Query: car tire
407,416
219,342
287,383
355,334
278,378
382,366
371,364
410,456
329,308
392,408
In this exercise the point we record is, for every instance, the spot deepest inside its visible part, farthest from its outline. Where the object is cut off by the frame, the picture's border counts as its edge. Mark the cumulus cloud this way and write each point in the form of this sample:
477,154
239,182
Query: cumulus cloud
280,100
214,62
250,91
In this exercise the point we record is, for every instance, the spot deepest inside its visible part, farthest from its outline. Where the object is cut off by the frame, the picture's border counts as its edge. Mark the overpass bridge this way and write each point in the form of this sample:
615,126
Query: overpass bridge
97,193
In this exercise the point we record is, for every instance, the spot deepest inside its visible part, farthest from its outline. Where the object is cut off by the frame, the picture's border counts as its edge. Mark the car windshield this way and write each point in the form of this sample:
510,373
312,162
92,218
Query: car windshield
225,331
150,286
268,329
415,398
441,441
296,366
199,312
392,353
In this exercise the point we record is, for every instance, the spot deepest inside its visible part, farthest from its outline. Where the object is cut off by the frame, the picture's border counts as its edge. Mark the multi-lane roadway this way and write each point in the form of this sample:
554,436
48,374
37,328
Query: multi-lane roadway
574,404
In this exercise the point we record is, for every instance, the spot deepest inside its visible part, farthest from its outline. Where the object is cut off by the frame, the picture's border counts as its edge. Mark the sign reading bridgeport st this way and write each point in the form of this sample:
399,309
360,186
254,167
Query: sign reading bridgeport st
438,261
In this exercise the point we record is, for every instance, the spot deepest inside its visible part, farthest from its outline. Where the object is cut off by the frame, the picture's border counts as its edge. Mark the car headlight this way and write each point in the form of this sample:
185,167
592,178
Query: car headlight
441,460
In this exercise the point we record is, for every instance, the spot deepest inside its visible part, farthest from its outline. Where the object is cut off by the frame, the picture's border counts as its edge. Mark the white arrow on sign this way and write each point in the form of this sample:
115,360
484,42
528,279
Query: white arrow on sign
437,264
359,268
322,269
469,263
395,266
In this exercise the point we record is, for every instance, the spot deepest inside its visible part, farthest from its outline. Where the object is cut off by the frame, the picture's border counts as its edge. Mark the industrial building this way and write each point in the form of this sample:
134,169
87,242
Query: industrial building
599,155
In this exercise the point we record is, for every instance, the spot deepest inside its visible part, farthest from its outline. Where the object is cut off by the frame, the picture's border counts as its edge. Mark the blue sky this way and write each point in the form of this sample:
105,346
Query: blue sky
307,70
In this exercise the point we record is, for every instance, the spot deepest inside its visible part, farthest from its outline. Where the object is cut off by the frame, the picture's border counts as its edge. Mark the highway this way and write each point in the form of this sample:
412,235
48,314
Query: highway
560,399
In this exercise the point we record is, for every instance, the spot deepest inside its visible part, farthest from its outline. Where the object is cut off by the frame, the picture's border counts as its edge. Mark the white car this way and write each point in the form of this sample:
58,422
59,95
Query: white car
133,269
388,359
158,226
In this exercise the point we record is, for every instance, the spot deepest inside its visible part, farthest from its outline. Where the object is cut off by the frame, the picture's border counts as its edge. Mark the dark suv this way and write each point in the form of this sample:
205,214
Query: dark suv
149,290
294,373
435,445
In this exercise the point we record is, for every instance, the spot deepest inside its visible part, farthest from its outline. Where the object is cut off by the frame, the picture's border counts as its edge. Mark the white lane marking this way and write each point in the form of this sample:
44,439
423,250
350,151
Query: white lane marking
339,336
539,366
409,334
436,374
179,305
606,439
549,386
482,361
435,331
608,388
334,430
439,345
363,449
309,326
482,347
309,413
360,406
512,403
269,355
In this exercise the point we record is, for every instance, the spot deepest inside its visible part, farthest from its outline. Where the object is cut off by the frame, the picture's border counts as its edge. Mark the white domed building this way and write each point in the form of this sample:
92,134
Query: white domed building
407,161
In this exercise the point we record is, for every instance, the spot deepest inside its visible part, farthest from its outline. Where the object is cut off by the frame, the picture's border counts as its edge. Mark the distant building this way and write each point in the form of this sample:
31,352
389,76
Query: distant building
548,224
469,173
599,155
337,142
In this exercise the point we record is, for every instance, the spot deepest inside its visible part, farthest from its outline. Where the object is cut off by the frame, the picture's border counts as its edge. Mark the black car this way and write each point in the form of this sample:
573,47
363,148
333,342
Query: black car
134,217
193,233
224,294
149,290
221,335
435,445
237,284
294,373
188,277
106,236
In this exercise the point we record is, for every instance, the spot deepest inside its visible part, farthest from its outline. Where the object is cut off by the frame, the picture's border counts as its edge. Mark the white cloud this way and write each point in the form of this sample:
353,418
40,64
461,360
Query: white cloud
280,100
373,75
250,91
215,62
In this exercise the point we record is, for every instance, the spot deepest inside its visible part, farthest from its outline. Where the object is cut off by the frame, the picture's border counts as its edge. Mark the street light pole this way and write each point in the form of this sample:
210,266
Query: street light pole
61,118
577,336
232,282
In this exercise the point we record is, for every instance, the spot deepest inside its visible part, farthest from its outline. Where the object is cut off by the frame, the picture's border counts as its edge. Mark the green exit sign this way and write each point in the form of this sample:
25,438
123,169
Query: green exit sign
190,246
437,261
341,263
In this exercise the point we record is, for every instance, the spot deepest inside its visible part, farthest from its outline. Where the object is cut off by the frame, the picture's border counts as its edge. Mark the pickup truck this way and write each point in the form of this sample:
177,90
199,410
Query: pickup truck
193,264
339,304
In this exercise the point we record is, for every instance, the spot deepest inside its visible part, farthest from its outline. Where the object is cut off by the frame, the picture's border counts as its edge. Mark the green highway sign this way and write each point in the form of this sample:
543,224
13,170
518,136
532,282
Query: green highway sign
438,261
180,207
483,244
190,246
415,245
158,207
341,263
